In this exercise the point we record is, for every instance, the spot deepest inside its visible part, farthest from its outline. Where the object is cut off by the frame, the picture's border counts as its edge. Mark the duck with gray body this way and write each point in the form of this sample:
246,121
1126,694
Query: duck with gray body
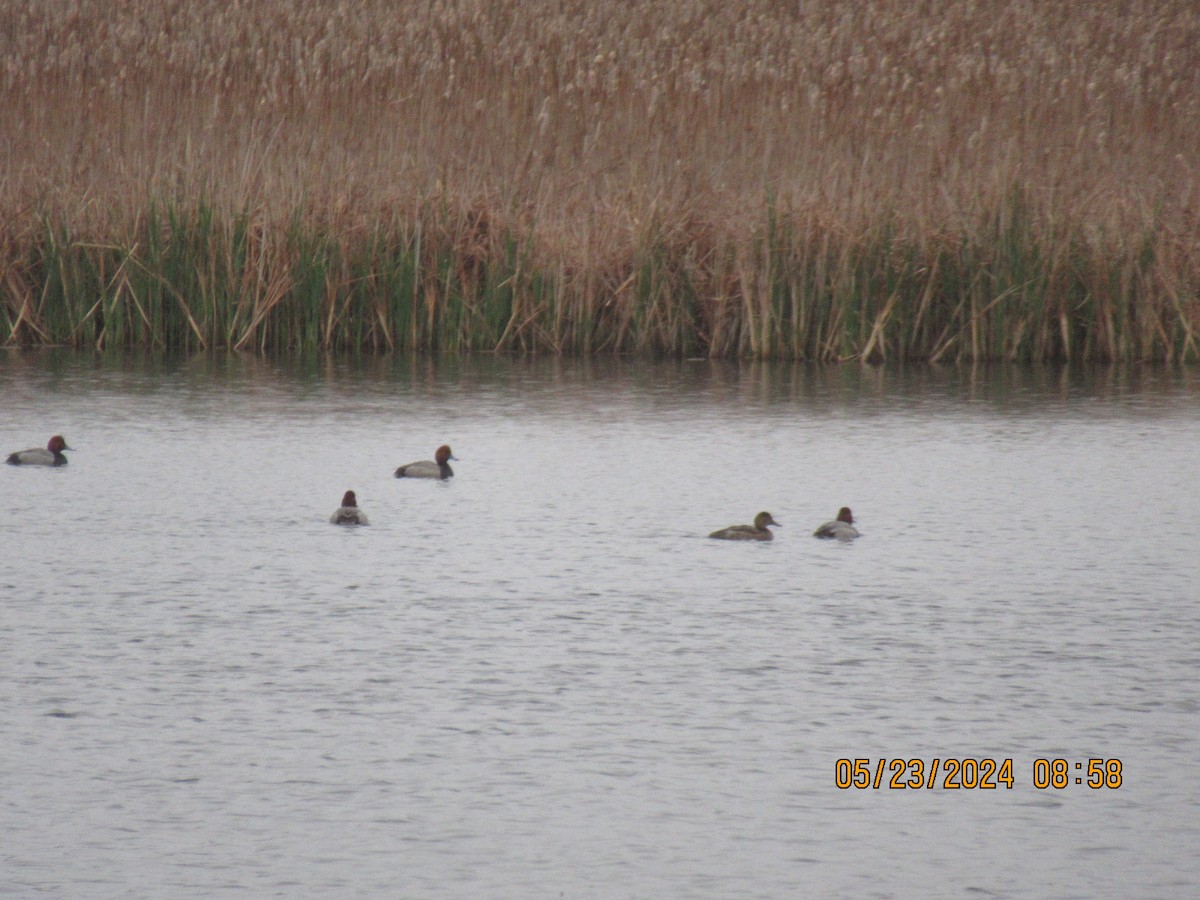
842,528
349,513
756,532
438,467
50,455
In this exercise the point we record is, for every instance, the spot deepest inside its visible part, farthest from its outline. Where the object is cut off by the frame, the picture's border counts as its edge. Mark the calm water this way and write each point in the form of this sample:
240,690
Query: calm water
541,680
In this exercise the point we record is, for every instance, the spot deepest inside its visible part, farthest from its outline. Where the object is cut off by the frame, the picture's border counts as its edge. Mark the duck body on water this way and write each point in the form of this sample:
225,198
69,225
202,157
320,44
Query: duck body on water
438,467
50,455
349,513
842,528
756,532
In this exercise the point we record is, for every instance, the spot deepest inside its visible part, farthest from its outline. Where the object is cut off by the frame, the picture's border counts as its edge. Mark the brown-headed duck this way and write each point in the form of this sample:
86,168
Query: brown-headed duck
756,532
438,467
841,528
52,455
349,513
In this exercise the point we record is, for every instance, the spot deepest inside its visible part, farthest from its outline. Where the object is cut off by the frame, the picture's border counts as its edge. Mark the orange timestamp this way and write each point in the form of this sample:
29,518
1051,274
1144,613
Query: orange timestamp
985,774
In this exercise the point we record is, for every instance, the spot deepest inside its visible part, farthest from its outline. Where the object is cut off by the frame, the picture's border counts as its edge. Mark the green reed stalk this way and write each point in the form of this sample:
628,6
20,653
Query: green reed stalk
184,278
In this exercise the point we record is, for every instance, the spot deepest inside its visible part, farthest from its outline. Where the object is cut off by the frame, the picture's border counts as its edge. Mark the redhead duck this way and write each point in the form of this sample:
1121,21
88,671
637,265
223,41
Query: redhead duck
36,456
756,532
438,467
349,513
841,528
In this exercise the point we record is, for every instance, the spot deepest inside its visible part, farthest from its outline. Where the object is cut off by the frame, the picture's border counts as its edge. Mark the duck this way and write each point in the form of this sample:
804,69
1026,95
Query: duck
349,513
52,455
438,467
756,532
841,528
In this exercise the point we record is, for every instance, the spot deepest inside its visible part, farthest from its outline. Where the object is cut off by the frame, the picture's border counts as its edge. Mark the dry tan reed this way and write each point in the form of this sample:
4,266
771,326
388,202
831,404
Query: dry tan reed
821,179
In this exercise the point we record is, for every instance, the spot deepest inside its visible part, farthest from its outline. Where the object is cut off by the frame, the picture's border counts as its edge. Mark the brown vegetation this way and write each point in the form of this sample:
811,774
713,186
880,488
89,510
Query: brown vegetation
806,180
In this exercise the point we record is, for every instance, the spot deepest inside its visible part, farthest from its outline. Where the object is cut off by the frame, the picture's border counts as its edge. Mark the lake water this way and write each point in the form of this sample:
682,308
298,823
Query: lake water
541,679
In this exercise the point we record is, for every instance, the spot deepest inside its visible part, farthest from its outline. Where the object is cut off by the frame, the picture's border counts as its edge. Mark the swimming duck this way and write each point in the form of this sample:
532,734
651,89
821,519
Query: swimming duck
52,455
841,528
756,532
438,467
349,513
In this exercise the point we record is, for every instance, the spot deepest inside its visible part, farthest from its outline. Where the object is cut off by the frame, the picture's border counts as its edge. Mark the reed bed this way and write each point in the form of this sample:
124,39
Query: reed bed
819,180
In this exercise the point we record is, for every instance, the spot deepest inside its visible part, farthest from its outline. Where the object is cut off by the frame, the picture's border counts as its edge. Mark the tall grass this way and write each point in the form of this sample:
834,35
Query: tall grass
814,181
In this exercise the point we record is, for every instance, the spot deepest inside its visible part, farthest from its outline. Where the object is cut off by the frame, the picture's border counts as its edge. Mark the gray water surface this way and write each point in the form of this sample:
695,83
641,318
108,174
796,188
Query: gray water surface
541,679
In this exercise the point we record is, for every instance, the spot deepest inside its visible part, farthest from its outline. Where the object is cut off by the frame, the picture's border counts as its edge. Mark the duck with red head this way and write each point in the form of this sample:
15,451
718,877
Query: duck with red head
52,455
438,467
842,528
756,532
349,513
